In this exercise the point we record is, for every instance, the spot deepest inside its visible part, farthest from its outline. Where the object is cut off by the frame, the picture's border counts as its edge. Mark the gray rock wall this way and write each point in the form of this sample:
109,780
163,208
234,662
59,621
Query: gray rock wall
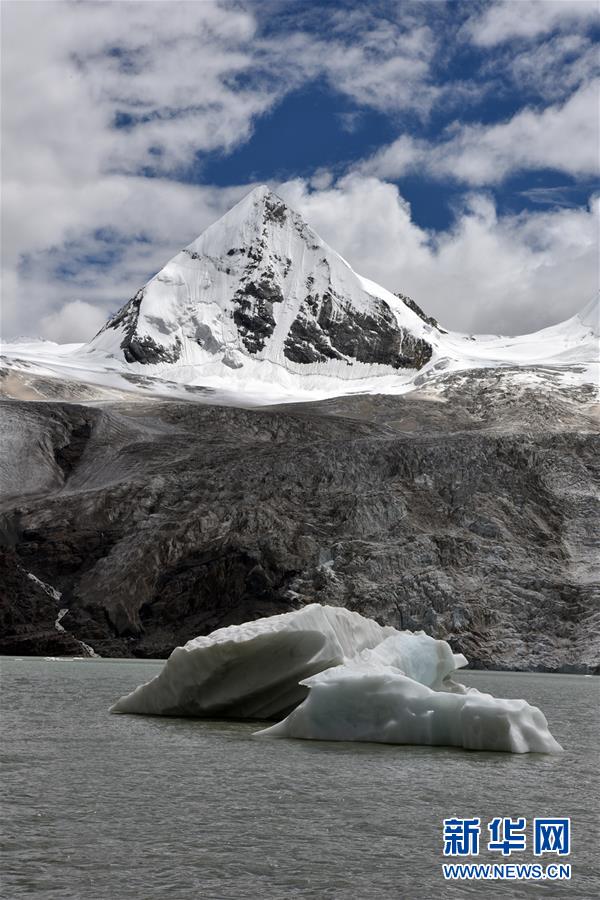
471,519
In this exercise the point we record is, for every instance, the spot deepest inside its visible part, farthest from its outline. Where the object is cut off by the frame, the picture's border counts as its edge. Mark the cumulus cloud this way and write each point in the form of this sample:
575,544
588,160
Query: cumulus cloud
562,137
165,72
387,70
74,321
529,18
509,275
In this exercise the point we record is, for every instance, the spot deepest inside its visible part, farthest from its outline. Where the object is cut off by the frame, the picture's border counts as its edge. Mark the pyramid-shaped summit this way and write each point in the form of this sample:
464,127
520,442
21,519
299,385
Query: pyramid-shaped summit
259,287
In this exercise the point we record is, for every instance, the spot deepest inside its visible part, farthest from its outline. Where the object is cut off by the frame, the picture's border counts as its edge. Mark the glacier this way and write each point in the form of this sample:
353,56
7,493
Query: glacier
335,675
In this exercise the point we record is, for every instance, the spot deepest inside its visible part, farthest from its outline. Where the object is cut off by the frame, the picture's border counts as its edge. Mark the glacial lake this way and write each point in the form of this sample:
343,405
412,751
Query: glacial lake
118,807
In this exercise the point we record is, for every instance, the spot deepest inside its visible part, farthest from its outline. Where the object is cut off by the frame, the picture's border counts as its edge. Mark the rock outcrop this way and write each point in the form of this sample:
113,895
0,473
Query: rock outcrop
470,513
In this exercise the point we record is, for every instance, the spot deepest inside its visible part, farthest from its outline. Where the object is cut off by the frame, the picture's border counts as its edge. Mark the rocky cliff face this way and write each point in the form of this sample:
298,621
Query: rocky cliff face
470,513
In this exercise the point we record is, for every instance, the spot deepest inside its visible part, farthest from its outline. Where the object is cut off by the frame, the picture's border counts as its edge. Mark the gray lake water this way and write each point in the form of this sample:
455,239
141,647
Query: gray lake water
100,806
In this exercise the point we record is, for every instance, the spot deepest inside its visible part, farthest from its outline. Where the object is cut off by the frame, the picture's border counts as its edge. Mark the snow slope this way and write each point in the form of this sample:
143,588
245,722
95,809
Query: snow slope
259,308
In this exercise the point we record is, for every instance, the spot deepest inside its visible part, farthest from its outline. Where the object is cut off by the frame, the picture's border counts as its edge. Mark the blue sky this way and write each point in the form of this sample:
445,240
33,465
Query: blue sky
447,150
318,127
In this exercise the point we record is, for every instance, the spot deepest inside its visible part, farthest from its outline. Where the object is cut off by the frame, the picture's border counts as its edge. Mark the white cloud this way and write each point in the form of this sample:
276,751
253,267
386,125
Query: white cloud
377,62
402,156
488,274
554,68
529,18
381,58
563,137
387,70
71,68
75,321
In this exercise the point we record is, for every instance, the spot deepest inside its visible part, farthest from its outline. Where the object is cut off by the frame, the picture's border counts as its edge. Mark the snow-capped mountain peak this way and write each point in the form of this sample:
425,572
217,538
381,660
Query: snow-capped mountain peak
260,308
259,285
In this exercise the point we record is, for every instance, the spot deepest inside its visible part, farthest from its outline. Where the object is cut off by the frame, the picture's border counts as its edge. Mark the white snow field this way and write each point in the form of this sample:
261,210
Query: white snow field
189,309
364,681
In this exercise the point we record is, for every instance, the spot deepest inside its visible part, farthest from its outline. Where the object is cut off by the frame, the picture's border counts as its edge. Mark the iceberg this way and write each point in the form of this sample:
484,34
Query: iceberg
332,674
370,699
254,670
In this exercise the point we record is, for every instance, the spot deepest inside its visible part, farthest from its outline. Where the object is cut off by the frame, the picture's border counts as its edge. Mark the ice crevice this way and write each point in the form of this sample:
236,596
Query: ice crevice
331,674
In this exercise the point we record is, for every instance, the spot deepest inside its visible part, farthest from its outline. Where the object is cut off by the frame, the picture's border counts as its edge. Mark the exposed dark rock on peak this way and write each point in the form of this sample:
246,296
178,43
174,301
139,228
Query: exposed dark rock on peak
255,322
275,209
254,312
146,350
140,348
408,301
266,289
127,316
373,338
307,342
329,328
